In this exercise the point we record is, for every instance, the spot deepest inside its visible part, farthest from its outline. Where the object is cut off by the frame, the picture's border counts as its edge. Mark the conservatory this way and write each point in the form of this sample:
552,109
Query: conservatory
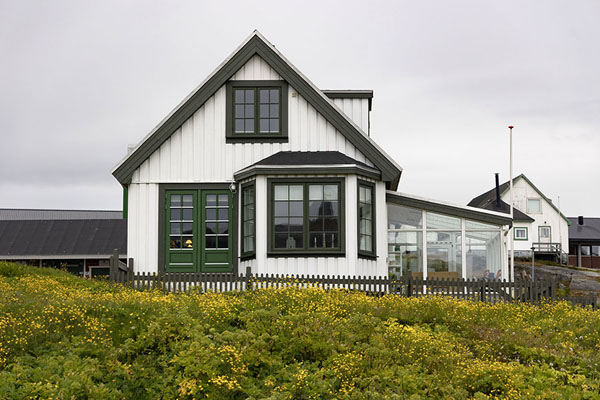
428,239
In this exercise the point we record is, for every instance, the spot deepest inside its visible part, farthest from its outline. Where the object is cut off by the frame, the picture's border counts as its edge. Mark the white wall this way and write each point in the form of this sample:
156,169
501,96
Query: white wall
197,152
548,217
357,110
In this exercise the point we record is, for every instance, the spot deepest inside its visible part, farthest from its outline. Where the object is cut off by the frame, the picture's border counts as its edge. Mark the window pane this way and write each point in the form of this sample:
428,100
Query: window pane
596,250
264,95
188,242
223,242
296,224
281,208
296,192
405,250
176,213
274,125
239,125
315,192
479,225
211,200
223,228
274,96
316,224
439,221
223,200
484,258
188,200
331,224
444,259
330,192
249,110
274,111
249,243
249,96
296,208
533,206
239,111
223,214
175,200
211,214
264,111
365,211
187,228
400,217
264,125
175,242
366,243
249,125
210,242
188,214
316,240
585,250
281,192
175,228
239,96
248,228
211,228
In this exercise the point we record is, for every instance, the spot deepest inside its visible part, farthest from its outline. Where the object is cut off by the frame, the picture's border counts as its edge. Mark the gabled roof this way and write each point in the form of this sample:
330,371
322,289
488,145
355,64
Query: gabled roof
589,231
483,200
256,44
504,207
307,162
41,214
60,238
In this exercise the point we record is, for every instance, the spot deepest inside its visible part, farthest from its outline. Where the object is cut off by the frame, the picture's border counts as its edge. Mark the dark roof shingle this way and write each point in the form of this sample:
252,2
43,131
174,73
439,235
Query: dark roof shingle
589,231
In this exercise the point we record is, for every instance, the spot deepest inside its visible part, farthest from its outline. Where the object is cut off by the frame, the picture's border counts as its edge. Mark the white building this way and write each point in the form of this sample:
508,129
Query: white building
538,223
259,168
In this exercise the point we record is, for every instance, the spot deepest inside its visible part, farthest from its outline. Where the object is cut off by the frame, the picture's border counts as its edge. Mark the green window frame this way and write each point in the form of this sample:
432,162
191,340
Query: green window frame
540,232
366,234
307,215
257,111
520,228
248,237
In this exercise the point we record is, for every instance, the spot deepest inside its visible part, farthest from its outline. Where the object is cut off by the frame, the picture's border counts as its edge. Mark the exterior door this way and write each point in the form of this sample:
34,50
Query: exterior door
217,230
199,231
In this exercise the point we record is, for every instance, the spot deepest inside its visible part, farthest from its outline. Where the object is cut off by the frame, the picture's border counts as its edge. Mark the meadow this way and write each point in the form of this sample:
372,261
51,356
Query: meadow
63,337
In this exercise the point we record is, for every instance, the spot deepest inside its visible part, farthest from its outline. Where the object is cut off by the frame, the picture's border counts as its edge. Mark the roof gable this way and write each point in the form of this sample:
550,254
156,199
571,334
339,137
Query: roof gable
486,198
256,44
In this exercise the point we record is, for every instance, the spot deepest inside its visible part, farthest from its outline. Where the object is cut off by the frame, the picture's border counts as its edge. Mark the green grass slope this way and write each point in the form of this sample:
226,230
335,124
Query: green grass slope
63,337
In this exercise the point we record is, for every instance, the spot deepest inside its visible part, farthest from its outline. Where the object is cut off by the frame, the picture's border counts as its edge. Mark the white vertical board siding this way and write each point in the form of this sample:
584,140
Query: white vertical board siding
549,217
357,110
142,227
198,152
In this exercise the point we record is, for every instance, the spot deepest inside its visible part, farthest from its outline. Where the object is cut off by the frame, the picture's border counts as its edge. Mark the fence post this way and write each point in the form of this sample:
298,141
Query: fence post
482,290
248,276
129,271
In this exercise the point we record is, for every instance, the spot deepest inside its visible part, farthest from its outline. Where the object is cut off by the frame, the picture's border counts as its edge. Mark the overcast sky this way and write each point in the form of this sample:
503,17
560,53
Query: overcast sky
79,81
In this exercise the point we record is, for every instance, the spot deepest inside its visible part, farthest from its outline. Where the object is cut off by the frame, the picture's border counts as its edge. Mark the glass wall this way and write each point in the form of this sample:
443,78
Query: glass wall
443,246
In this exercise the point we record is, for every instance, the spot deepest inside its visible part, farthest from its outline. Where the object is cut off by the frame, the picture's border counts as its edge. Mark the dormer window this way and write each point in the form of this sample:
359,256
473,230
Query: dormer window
256,111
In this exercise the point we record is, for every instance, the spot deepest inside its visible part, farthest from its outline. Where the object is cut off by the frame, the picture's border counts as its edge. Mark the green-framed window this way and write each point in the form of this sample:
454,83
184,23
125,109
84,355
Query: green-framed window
306,217
248,220
366,219
520,233
256,111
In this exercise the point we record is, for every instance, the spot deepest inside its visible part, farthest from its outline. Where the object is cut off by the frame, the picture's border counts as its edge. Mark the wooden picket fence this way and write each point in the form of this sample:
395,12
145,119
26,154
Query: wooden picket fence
468,289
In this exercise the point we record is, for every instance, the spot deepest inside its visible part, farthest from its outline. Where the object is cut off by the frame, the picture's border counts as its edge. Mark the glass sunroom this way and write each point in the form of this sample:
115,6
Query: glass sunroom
428,239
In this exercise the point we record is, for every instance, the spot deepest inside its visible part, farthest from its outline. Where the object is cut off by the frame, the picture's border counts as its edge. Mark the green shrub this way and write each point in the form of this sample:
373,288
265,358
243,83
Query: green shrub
66,337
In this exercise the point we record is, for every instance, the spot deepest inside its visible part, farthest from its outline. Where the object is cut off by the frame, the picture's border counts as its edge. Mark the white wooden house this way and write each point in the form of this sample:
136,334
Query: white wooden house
538,223
259,168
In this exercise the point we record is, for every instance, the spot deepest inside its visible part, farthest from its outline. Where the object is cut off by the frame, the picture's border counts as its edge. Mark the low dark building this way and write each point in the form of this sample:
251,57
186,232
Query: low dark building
584,242
78,241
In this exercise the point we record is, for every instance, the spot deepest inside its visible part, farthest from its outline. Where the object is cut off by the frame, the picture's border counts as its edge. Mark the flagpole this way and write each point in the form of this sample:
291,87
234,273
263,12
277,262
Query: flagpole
512,235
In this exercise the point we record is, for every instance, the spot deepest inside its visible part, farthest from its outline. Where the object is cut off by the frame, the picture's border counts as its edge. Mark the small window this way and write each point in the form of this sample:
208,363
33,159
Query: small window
545,232
585,250
256,111
534,206
305,217
366,219
248,220
520,233
181,221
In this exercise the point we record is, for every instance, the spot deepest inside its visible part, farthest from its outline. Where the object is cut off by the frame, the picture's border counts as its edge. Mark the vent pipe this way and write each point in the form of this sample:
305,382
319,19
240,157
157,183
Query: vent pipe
580,220
497,190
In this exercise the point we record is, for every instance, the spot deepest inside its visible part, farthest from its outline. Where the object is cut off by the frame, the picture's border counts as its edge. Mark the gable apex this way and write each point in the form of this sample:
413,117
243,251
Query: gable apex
256,44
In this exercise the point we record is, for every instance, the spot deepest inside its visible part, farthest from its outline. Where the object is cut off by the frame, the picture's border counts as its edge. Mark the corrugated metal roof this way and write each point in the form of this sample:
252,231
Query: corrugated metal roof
62,237
10,214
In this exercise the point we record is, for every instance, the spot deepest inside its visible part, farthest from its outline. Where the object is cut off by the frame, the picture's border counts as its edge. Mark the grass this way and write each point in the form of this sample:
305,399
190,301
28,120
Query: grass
65,337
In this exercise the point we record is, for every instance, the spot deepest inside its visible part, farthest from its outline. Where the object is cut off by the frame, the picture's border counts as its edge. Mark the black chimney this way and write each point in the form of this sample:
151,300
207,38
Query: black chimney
497,190
580,220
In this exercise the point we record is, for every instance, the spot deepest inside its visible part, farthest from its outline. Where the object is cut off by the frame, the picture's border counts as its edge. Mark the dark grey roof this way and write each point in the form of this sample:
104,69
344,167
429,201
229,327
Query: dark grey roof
589,231
257,44
308,162
62,237
309,158
351,94
7,214
505,208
